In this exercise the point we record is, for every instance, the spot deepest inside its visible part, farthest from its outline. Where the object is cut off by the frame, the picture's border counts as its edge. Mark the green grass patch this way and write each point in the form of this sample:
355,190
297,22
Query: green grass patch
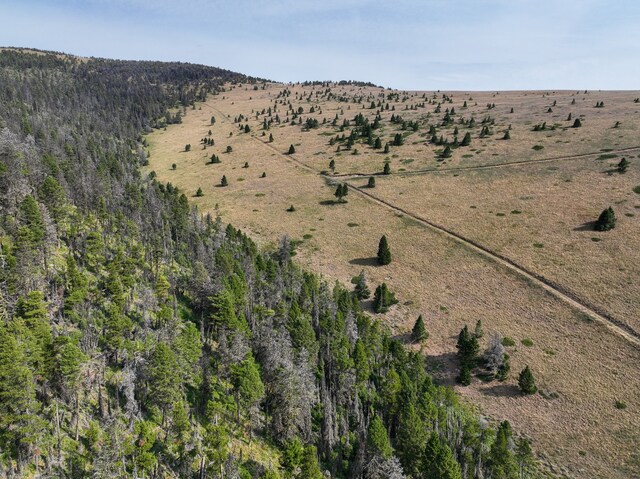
537,147
527,342
259,195
507,341
637,189
516,212
596,239
608,156
352,225
307,236
620,404
538,245
500,214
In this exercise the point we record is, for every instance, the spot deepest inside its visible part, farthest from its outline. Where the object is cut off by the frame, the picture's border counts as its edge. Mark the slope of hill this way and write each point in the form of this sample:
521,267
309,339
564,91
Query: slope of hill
139,338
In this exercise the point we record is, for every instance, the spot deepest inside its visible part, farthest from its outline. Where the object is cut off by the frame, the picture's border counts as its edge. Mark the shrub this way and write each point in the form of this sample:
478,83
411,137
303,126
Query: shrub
622,166
223,181
291,209
173,166
577,123
371,183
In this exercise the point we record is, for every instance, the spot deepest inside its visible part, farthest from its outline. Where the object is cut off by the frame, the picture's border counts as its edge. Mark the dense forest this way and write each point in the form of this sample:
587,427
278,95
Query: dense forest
140,338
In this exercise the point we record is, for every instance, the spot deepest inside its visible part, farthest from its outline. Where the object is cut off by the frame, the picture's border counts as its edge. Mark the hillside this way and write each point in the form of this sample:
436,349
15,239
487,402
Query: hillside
488,201
140,337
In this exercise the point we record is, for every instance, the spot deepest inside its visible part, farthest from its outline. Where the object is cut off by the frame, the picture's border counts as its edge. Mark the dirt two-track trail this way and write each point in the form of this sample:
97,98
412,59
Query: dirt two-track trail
592,311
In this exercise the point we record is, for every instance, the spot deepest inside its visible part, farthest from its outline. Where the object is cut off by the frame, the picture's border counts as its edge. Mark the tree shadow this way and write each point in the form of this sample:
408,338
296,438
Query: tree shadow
372,261
502,390
329,202
443,367
589,226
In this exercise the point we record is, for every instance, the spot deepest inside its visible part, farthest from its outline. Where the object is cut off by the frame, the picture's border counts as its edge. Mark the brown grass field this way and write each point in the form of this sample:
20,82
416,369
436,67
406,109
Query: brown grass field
536,214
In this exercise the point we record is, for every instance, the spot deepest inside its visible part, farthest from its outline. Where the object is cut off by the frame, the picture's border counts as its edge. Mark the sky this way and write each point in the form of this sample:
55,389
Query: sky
403,44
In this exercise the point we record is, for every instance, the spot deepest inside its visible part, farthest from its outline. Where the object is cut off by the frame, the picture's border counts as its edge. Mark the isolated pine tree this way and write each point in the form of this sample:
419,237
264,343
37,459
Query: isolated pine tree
507,135
623,165
247,129
378,143
419,332
577,123
270,137
187,147
387,169
606,221
332,164
446,153
372,182
526,381
292,150
199,192
384,253
223,181
173,166
466,140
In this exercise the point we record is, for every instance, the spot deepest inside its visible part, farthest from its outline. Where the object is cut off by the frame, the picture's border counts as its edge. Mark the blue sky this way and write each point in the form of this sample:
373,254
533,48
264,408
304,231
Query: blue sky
406,44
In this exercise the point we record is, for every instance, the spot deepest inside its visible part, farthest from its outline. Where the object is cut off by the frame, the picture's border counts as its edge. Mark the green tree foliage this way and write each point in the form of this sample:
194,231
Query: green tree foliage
419,332
224,181
164,378
199,193
387,169
384,253
606,221
466,140
623,165
383,299
577,123
341,191
372,182
292,150
378,440
526,381
361,289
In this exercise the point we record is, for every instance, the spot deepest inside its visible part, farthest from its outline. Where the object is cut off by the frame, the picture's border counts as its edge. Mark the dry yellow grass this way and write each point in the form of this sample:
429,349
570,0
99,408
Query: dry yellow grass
588,367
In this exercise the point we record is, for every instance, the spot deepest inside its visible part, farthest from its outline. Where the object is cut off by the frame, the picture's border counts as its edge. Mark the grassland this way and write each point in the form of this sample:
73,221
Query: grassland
536,214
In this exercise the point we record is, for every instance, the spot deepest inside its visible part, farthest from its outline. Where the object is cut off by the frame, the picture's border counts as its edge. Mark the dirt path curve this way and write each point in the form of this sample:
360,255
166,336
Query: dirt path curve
425,171
592,311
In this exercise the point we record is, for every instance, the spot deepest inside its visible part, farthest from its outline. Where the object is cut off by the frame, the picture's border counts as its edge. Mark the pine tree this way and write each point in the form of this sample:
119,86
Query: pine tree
174,166
332,165
339,193
606,221
383,299
479,332
507,135
270,137
187,147
446,153
577,123
371,183
247,129
526,381
623,165
464,378
419,332
466,140
361,289
199,192
378,143
387,169
309,467
292,150
30,216
378,443
164,378
384,253
223,181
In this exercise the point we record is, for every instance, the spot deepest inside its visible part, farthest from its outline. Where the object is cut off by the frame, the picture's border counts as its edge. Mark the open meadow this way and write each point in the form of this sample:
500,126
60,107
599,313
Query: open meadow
498,230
